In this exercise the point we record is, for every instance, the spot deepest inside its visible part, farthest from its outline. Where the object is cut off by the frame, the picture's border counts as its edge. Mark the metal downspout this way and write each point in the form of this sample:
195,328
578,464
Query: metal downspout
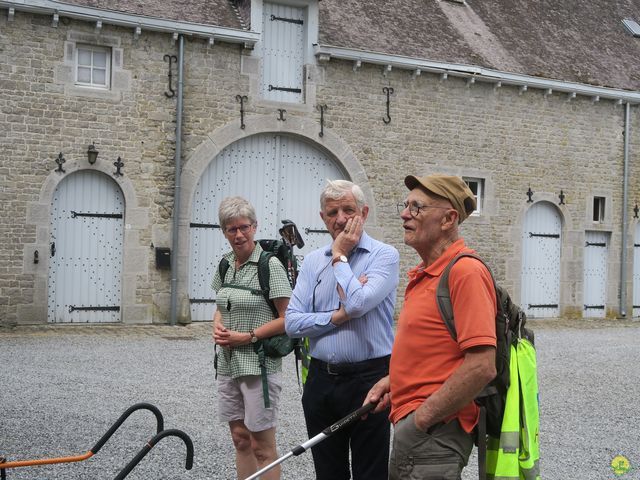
176,191
625,194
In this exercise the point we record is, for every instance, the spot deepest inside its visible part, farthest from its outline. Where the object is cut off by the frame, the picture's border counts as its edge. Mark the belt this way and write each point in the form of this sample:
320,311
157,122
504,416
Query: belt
351,368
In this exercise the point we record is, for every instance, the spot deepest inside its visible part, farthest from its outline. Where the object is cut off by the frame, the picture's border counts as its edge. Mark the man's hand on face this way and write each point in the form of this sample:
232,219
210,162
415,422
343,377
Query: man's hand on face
349,237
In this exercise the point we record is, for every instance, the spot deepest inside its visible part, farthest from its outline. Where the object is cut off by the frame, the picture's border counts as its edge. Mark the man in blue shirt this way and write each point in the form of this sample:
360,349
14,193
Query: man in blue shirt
344,301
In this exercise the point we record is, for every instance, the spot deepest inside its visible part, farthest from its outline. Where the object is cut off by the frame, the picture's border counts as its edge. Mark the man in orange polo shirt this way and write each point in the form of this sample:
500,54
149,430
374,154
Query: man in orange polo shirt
433,379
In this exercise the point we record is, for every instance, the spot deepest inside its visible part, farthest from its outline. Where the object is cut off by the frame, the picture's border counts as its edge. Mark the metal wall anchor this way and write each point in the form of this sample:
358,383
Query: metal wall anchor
118,164
322,109
530,195
388,91
282,111
171,59
60,160
241,99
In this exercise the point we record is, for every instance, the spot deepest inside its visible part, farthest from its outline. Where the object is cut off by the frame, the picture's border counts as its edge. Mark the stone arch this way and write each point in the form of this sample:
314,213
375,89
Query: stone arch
304,129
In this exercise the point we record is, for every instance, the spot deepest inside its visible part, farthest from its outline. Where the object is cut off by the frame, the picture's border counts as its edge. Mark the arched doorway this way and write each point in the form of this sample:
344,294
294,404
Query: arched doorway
86,249
282,176
541,242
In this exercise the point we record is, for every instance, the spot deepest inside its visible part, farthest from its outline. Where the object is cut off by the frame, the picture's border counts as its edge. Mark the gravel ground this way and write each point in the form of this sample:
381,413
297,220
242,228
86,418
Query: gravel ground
63,387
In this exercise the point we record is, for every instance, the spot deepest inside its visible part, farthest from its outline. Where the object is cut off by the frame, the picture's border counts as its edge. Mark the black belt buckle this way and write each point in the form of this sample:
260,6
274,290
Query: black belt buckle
330,372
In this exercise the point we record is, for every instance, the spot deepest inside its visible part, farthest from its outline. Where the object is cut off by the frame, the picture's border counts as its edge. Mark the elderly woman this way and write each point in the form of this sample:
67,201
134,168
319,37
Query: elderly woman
242,318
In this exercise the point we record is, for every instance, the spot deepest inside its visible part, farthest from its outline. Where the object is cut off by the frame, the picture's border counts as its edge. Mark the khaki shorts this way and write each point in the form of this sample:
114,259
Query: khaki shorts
241,399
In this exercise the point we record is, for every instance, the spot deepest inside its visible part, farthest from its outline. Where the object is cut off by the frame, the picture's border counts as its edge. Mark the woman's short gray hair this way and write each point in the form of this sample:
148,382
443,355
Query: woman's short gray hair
336,189
235,207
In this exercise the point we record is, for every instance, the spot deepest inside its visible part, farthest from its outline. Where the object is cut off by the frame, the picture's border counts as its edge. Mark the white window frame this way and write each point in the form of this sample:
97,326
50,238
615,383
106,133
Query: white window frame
93,49
478,193
599,209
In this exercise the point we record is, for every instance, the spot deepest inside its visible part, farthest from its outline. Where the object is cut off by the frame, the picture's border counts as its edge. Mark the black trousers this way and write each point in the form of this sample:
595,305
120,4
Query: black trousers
331,393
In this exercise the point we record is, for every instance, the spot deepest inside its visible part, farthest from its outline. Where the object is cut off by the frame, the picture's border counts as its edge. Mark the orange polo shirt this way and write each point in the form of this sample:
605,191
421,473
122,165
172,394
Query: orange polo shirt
424,354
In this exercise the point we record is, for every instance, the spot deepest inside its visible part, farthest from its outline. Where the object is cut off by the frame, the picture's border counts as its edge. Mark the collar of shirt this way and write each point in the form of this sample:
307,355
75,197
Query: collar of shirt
418,272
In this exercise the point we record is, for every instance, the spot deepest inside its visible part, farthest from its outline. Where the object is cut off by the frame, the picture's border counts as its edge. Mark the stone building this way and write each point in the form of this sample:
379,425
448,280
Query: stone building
185,102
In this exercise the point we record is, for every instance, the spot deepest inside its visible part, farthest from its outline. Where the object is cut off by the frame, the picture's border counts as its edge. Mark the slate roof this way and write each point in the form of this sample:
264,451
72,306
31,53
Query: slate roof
218,13
580,41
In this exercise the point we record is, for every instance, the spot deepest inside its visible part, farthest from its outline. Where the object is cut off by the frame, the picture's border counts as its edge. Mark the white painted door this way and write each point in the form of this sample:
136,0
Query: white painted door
636,272
282,53
596,253
541,241
282,177
85,249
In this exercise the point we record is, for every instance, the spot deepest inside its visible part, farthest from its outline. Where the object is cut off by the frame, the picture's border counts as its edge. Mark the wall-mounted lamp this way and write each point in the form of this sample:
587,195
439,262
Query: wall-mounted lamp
92,154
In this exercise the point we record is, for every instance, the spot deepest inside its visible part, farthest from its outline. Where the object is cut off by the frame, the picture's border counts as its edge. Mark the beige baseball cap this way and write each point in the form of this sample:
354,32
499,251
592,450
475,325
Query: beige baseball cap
450,187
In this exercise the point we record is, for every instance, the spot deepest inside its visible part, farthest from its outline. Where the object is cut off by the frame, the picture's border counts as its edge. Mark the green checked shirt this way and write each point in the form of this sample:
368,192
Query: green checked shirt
243,310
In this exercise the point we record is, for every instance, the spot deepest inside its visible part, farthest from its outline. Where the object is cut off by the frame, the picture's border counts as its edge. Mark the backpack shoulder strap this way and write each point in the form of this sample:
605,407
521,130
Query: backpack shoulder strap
443,294
223,266
264,275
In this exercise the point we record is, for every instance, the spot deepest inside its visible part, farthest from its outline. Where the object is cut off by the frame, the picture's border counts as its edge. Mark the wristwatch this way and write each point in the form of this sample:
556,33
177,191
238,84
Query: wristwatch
341,258
254,339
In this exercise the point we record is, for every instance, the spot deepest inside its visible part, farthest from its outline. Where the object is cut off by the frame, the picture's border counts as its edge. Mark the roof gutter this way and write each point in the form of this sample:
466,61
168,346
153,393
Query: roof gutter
499,78
91,14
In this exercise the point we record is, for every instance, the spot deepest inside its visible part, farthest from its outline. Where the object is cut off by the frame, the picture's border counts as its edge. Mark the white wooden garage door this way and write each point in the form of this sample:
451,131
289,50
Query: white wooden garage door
541,241
596,254
282,177
85,249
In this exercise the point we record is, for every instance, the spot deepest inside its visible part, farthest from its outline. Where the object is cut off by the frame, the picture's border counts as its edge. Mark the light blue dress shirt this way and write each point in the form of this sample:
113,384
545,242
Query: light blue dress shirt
369,333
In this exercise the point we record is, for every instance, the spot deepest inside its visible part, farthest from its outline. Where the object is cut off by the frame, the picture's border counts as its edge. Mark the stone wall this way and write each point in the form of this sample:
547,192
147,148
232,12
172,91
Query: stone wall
514,140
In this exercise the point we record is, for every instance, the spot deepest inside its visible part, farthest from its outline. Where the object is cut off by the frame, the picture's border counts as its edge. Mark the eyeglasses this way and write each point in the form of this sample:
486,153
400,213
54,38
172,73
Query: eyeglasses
243,229
414,209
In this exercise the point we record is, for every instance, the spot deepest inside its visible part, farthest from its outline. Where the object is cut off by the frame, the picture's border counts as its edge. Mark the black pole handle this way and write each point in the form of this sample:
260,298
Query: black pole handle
165,433
123,417
349,419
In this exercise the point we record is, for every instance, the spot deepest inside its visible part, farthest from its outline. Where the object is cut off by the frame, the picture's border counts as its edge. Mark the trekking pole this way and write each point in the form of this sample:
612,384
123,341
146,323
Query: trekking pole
96,448
327,432
291,237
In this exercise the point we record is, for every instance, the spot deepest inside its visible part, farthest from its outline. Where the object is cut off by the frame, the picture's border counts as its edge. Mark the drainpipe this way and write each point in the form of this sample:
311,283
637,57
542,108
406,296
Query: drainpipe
625,193
176,190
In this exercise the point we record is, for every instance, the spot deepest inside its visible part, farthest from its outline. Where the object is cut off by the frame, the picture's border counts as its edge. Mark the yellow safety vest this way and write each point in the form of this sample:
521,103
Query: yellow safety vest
516,454
305,359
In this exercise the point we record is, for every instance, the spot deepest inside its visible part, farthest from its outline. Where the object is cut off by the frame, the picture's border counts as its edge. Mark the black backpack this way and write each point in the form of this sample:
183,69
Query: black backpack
278,345
510,325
